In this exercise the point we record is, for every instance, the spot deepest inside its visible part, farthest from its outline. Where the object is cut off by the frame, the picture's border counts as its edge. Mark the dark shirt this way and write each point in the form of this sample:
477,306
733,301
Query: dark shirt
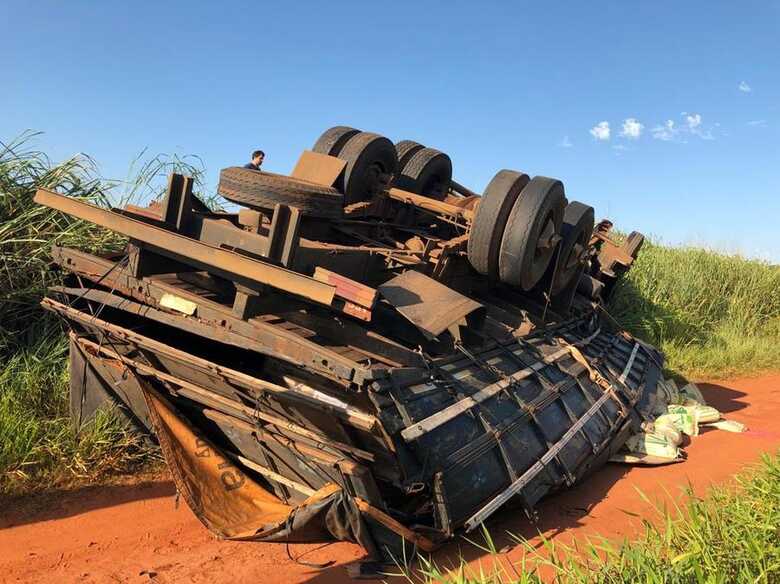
251,166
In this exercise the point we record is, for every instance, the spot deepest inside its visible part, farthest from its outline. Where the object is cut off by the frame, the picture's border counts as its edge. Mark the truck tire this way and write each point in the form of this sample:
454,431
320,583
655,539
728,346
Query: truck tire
535,217
428,172
487,229
263,190
577,227
405,149
371,164
333,139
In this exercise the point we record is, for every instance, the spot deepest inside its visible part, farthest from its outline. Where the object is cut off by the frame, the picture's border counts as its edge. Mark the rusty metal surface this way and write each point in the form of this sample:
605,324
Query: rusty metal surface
180,248
213,309
429,204
318,168
429,305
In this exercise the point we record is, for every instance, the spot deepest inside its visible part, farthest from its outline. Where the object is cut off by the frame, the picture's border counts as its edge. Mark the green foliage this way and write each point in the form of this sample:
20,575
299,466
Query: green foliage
27,232
710,313
732,536
37,442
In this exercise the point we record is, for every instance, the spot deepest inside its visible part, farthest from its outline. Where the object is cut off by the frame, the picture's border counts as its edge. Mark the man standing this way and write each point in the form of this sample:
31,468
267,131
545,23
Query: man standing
257,160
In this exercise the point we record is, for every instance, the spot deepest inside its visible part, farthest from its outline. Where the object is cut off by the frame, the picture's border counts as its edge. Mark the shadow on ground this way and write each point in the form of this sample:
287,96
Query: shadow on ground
46,506
556,514
722,398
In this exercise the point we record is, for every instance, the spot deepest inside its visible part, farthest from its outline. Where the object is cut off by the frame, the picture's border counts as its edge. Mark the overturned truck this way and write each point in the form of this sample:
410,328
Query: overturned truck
366,350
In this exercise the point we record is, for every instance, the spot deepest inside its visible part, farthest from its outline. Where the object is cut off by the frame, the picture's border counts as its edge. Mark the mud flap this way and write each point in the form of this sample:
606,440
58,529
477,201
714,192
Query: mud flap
95,384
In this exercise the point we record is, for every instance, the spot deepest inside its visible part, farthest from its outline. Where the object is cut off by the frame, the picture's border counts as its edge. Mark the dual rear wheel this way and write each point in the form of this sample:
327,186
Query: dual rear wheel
520,222
373,159
424,171
519,226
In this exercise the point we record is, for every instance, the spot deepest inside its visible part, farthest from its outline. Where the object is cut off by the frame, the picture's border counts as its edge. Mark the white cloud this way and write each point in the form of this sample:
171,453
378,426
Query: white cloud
693,121
565,143
757,123
600,131
672,130
632,129
692,126
667,132
744,87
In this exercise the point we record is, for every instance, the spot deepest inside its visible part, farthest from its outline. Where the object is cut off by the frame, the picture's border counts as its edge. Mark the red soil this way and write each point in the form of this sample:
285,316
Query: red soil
134,533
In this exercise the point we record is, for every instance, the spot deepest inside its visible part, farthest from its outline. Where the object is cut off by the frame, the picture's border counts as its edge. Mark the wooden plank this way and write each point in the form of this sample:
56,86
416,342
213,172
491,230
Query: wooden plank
269,474
421,541
318,454
299,391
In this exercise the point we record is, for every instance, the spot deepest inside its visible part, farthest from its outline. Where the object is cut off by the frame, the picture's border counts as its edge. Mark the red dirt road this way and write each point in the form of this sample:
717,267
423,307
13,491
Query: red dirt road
134,533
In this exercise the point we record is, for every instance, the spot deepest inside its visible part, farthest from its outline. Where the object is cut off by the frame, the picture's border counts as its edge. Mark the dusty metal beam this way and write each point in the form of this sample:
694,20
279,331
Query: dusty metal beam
228,264
429,204
150,291
278,343
199,392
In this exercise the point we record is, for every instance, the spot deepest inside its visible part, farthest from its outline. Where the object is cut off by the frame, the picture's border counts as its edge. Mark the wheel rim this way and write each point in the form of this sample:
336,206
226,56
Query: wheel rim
546,237
377,175
573,254
434,188
545,244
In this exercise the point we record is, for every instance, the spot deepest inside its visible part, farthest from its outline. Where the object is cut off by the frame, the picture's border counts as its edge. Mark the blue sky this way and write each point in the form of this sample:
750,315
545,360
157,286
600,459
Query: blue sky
689,92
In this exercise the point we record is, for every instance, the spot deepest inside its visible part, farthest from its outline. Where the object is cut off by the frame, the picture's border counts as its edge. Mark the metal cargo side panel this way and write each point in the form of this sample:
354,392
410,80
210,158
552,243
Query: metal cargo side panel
557,415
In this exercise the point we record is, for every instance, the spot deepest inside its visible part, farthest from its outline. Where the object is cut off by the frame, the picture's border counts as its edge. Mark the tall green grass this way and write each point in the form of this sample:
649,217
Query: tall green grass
731,536
37,442
712,314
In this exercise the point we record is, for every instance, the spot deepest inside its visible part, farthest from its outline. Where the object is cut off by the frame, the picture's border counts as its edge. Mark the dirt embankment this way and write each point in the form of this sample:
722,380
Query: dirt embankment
135,532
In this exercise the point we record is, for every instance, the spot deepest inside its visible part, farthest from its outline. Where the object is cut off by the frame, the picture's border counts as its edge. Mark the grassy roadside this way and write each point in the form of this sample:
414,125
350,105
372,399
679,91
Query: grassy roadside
38,446
730,536
713,315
